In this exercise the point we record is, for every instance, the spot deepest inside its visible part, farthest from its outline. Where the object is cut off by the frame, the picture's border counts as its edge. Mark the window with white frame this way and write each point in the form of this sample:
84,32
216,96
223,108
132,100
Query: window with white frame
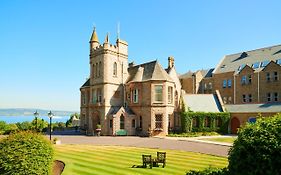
250,98
268,97
275,76
170,94
122,122
229,83
267,76
158,121
276,96
135,95
249,79
244,79
224,83
244,98
210,86
158,93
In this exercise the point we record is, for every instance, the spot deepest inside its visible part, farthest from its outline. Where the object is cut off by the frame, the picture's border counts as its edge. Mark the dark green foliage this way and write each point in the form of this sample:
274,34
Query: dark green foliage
25,153
24,126
209,171
188,117
257,150
194,134
69,121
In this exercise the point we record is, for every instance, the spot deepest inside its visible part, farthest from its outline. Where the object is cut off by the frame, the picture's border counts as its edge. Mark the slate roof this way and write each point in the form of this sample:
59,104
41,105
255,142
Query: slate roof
147,71
254,108
87,83
205,73
202,102
115,110
232,62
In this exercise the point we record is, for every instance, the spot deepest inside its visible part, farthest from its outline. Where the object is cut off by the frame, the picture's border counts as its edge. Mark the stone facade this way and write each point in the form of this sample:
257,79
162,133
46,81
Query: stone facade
127,98
251,77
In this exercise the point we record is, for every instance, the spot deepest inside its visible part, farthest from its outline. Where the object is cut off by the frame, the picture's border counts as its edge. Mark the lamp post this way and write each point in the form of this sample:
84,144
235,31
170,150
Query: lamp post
50,115
36,114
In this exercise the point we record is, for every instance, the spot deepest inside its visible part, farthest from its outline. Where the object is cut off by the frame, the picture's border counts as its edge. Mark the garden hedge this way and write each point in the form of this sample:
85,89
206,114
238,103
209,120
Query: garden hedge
188,117
257,150
25,153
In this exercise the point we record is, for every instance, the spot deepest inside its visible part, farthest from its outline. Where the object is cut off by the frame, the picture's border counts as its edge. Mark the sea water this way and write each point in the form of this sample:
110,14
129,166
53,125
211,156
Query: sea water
15,119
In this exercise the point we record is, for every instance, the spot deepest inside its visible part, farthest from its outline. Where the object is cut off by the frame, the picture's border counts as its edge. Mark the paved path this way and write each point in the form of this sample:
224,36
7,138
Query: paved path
161,143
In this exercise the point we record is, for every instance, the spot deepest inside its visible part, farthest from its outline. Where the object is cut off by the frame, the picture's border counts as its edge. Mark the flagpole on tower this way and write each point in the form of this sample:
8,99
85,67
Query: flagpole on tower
118,30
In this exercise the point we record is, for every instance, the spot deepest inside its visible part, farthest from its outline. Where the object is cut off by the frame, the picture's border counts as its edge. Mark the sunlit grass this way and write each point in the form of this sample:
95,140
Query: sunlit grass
221,139
107,160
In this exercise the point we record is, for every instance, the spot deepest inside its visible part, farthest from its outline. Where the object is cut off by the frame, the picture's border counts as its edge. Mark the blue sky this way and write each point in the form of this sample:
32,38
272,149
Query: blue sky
44,45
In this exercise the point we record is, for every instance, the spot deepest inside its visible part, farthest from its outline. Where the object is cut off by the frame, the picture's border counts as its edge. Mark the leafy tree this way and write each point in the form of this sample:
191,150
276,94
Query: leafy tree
24,126
257,150
69,121
41,124
24,153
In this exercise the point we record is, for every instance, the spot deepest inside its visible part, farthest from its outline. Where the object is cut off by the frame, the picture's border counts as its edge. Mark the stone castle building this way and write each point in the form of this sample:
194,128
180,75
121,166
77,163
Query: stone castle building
129,99
125,98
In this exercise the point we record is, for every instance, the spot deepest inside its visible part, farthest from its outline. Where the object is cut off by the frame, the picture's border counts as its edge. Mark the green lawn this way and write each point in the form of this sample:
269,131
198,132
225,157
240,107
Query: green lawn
107,160
221,139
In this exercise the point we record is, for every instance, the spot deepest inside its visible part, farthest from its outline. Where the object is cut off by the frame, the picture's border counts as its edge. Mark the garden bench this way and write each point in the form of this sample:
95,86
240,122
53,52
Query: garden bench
146,160
161,158
121,132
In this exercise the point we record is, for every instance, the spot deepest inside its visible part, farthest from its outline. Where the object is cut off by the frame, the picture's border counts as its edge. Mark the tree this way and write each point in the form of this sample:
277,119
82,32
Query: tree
69,121
257,150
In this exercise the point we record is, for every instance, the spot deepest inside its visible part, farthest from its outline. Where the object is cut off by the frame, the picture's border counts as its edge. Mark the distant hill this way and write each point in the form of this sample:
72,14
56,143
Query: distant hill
29,112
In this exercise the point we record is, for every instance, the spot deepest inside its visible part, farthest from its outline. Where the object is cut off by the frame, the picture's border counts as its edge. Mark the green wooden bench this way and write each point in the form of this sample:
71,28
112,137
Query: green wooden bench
121,132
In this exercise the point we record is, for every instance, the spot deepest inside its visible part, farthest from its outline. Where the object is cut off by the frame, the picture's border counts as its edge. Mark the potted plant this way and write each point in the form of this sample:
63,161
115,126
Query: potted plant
56,141
98,130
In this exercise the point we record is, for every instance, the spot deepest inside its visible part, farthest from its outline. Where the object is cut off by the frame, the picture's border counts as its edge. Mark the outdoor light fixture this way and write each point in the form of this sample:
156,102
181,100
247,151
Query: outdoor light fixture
50,115
36,114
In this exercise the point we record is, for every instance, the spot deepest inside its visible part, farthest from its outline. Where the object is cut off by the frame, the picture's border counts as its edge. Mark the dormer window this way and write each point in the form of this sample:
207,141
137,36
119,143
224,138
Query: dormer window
256,65
265,63
278,61
241,67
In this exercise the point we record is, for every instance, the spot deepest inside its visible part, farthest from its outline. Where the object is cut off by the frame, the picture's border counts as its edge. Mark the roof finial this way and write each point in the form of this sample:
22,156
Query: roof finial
106,38
94,37
118,30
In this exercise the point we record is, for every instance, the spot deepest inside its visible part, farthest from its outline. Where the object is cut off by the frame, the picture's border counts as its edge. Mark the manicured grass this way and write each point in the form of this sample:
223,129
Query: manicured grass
221,139
108,160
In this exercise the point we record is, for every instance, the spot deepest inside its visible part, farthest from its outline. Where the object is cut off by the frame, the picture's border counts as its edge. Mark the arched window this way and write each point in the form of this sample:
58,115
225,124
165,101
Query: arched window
122,122
115,69
100,69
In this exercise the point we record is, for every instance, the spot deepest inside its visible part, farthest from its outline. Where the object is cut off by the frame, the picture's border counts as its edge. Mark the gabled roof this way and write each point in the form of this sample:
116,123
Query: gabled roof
87,83
204,72
147,71
254,108
202,102
115,110
232,62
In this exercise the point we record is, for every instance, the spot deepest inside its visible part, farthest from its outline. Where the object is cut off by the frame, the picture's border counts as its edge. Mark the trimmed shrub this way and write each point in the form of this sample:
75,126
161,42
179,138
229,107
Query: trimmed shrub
209,171
25,153
257,150
213,117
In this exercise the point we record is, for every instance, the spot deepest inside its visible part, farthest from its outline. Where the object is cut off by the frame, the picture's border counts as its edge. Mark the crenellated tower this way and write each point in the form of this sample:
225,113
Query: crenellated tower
108,73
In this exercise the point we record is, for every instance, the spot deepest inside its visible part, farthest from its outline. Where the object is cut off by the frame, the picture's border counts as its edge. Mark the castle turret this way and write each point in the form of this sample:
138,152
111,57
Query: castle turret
94,41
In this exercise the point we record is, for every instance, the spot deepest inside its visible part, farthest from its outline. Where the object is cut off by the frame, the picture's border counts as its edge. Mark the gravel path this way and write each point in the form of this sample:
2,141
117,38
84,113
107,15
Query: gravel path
161,143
